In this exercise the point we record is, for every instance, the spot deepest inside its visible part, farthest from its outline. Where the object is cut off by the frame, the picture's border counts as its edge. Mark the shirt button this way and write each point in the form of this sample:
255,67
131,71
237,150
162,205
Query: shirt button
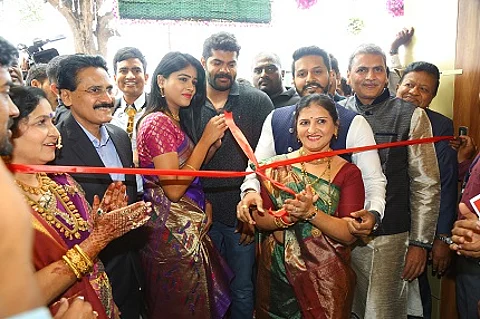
290,130
290,149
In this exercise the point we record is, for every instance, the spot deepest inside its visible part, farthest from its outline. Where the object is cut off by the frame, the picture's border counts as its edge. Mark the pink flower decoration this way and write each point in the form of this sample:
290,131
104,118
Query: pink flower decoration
395,7
305,4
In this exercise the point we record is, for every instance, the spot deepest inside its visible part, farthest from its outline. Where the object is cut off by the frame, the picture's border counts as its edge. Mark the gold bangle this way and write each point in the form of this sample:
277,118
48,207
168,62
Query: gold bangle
280,223
78,261
84,255
71,266
312,215
190,166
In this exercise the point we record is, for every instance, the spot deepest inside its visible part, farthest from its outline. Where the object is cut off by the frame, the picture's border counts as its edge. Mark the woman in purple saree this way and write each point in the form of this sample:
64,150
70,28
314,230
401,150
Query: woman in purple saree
185,275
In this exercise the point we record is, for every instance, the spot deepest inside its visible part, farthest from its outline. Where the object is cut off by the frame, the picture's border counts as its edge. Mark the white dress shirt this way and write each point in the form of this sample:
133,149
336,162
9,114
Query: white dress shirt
120,119
359,134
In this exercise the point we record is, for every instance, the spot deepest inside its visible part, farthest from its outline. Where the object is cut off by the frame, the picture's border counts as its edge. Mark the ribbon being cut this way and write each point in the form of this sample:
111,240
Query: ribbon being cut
241,140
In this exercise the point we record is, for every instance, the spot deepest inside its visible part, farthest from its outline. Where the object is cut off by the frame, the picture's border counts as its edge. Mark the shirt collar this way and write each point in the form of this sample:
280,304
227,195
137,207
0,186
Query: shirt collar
379,99
139,102
104,137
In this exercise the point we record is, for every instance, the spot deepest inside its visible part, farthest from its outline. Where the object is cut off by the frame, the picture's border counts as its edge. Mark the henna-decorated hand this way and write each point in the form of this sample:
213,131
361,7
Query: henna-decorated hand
114,224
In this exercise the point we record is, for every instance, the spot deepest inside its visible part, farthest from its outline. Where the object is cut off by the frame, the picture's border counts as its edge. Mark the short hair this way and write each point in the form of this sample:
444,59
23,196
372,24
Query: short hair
269,55
368,48
37,72
311,50
334,63
8,53
52,68
71,65
422,66
220,41
322,100
26,98
129,53
347,90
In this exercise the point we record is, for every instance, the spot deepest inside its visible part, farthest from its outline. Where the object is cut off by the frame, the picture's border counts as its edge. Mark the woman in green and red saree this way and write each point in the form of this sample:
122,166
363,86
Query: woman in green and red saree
68,233
304,256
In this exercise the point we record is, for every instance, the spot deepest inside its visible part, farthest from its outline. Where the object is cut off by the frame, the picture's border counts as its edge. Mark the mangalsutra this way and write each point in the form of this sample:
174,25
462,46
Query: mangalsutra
318,161
52,193
308,181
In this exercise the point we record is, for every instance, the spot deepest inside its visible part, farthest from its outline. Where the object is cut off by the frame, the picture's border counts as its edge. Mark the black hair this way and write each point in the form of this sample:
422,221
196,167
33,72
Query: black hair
26,98
220,41
37,72
334,64
322,100
71,65
52,68
173,62
347,90
369,48
311,50
422,66
129,53
8,53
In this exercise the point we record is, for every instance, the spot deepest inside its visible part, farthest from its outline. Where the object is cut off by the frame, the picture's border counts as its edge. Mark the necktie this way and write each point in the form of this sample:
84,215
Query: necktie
130,110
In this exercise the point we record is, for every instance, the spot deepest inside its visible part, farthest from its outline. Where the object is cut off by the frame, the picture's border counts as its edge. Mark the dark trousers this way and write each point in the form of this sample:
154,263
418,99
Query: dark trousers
241,259
468,287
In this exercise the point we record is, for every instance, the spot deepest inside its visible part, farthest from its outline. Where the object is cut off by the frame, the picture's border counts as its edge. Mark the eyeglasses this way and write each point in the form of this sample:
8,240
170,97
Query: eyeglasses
99,91
269,69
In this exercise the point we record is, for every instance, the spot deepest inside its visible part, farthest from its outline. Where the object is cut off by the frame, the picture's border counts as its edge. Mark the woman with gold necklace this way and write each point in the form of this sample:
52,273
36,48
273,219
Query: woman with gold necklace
304,262
185,275
68,233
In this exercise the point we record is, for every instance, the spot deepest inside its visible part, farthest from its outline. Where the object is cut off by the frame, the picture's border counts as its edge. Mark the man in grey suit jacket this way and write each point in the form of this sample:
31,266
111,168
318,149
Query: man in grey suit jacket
88,140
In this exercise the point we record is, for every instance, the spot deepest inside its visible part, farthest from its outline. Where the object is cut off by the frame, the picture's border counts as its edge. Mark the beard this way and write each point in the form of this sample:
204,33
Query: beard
222,87
6,147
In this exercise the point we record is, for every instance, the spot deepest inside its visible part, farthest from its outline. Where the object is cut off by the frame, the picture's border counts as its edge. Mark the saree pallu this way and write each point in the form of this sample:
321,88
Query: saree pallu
309,275
45,252
185,275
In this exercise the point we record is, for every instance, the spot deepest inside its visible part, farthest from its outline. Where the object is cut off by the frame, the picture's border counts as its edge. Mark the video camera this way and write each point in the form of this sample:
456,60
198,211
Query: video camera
36,53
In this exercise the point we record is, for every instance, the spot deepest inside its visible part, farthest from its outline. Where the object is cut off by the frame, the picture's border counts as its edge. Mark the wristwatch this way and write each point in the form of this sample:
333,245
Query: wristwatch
446,239
378,219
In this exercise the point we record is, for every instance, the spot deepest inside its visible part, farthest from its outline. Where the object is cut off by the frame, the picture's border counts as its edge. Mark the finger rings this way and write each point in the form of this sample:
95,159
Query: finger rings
100,212
95,313
244,207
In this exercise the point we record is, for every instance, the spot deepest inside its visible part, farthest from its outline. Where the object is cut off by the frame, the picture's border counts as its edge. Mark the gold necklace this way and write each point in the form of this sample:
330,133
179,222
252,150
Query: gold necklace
52,193
307,181
318,161
175,117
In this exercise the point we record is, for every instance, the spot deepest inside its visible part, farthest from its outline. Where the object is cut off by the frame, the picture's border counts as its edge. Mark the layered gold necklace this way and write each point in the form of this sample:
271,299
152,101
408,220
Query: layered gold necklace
52,193
312,182
318,161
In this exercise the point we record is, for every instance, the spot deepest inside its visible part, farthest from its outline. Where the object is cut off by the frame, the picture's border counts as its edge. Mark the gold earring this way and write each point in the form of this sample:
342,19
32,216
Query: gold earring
162,93
59,143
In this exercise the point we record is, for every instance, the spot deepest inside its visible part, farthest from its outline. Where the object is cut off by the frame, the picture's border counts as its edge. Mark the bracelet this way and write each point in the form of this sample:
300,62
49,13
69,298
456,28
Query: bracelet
78,261
286,222
249,190
311,216
280,223
84,255
190,166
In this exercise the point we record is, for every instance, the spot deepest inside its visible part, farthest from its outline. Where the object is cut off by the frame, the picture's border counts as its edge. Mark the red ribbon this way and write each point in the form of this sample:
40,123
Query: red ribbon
241,140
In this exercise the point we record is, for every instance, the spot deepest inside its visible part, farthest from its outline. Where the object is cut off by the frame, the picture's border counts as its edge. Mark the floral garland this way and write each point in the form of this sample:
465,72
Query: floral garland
395,7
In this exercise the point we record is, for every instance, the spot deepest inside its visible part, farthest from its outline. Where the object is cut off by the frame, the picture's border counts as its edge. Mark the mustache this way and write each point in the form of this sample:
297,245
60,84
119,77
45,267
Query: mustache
10,123
223,75
108,105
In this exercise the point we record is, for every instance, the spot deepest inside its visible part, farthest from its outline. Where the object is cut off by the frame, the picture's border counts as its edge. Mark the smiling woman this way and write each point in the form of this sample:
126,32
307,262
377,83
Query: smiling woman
68,235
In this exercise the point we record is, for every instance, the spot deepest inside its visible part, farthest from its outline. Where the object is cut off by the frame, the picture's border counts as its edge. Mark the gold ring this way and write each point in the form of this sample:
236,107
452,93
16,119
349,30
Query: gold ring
244,207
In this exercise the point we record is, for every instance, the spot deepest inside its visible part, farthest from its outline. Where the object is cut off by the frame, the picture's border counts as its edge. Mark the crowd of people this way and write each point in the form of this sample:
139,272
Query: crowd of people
310,235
